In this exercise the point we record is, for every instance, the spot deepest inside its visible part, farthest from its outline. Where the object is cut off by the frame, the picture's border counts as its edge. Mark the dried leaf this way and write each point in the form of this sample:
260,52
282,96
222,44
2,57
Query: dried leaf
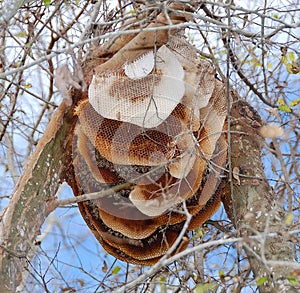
104,267
271,131
235,173
64,80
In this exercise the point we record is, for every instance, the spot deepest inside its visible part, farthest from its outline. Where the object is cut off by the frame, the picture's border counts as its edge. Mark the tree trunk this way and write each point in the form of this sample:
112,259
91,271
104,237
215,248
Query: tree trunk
253,208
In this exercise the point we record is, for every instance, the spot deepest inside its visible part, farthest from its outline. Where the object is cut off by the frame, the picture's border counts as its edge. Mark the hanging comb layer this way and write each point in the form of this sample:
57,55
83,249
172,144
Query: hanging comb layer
155,123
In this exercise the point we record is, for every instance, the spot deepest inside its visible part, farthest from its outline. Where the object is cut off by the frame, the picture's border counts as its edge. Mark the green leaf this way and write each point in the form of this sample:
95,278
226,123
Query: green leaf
281,102
204,288
132,11
116,270
221,274
291,56
289,218
294,102
163,284
27,85
200,233
261,281
21,35
293,281
163,279
289,68
47,2
284,60
255,62
285,108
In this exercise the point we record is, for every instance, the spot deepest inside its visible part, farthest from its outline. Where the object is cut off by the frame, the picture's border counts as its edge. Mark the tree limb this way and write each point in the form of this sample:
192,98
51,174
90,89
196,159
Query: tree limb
21,221
254,205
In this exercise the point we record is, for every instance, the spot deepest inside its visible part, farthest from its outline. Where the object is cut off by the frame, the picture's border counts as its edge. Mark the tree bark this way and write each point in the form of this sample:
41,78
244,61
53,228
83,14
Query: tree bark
30,203
251,205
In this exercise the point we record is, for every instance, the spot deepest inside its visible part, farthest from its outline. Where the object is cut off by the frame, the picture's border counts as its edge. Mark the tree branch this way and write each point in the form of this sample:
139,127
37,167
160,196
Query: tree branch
255,206
20,222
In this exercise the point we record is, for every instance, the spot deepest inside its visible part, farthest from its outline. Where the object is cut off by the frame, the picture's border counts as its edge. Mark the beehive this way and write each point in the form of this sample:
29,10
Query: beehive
156,122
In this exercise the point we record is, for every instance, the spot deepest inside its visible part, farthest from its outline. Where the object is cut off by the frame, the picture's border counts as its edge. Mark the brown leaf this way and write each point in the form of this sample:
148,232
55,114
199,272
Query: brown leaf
64,80
235,173
104,267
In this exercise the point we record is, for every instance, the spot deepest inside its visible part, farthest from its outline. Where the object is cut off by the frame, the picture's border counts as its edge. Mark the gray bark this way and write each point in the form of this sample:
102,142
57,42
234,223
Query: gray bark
252,207
30,203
